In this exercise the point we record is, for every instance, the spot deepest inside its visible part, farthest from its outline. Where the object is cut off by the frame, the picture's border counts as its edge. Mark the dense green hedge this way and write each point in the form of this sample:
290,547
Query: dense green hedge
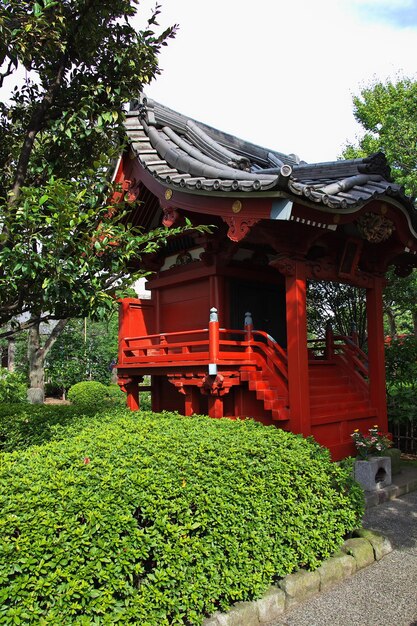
161,519
25,425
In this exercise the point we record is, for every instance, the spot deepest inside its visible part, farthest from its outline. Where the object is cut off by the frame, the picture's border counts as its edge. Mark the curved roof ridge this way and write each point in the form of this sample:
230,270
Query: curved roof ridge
182,152
198,135
191,149
191,165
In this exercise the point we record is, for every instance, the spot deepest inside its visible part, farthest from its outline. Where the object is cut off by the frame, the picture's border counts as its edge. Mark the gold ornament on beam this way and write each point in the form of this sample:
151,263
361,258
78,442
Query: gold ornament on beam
375,228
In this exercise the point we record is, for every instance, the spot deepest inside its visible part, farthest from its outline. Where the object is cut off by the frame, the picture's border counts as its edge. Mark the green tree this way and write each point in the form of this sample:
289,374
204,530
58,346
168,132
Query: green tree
387,113
85,350
64,249
344,306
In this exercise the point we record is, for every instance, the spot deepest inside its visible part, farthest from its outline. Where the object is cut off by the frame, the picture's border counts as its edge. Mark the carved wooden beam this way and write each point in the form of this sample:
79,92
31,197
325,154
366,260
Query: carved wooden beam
218,249
284,265
323,269
239,226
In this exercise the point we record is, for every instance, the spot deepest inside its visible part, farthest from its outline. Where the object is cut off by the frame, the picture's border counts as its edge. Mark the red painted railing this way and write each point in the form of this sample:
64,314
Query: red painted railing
342,348
205,346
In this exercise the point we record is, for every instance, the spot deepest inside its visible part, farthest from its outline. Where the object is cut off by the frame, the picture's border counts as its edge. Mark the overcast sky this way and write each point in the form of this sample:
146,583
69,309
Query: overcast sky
282,74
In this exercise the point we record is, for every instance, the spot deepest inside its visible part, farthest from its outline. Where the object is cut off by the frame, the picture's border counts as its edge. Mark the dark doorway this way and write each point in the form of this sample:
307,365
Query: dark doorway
265,302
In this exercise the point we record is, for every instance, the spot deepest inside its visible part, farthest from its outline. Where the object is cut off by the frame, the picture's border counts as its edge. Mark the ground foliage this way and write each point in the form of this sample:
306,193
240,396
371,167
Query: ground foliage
12,387
158,519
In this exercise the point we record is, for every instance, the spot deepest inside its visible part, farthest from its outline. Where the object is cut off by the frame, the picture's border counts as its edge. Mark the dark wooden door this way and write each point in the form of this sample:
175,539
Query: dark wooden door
265,302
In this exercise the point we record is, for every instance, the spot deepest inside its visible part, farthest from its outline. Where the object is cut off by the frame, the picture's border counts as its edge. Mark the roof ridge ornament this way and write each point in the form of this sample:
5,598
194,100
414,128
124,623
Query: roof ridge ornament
375,164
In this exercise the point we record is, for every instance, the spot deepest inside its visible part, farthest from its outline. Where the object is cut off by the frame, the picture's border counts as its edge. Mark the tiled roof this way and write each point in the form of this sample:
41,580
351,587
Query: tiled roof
183,153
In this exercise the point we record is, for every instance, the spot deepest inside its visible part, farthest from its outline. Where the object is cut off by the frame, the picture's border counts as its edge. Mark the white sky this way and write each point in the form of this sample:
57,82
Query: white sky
282,74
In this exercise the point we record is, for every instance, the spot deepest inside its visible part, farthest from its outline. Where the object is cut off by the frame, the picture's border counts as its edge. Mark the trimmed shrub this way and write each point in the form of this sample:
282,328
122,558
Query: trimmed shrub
159,519
93,394
24,425
88,393
114,396
12,386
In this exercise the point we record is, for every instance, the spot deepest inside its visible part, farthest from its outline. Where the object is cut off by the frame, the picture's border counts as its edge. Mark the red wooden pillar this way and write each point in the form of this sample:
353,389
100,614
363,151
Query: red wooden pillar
132,399
192,401
297,353
376,355
124,326
215,406
216,287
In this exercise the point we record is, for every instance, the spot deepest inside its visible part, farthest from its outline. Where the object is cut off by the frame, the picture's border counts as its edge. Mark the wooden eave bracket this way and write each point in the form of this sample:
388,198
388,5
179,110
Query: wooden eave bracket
239,226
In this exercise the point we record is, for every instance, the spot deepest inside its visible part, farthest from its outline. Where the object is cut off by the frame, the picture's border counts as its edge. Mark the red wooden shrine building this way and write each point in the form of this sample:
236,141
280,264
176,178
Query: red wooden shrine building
225,331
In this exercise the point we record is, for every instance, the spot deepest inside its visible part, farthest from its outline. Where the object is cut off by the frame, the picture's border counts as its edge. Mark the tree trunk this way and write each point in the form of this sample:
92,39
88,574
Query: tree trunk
37,354
391,322
11,354
36,360
414,314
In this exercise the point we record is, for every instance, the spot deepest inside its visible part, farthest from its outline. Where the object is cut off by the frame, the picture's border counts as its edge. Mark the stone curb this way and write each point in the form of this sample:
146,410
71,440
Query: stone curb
389,493
362,550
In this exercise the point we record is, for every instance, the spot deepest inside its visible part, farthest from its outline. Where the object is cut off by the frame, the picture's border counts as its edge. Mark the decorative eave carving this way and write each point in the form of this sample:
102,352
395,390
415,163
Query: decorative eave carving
170,217
404,269
239,226
375,228
327,269
219,249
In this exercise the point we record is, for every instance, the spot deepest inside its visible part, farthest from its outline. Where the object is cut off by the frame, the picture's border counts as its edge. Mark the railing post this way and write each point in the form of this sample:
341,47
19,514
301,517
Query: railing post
163,343
248,330
213,342
354,334
328,352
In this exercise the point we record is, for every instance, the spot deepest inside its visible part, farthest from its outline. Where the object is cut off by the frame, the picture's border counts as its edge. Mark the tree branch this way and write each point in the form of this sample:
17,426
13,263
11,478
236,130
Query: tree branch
34,127
24,326
38,115
56,331
8,72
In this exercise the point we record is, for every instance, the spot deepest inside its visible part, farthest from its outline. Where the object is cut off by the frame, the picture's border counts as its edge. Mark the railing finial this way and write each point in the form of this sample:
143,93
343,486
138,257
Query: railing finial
213,315
248,319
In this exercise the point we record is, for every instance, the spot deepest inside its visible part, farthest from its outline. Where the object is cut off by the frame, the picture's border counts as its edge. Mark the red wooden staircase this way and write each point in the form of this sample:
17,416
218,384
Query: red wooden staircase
335,393
266,390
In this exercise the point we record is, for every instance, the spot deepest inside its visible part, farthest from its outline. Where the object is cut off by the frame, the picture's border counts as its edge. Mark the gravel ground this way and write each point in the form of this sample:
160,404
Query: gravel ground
384,594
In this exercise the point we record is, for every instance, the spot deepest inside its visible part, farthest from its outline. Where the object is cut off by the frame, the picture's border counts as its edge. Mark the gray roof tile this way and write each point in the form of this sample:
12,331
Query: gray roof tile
190,155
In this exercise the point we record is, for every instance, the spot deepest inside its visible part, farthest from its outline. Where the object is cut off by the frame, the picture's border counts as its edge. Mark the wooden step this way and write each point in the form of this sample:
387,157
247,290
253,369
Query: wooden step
331,417
355,408
333,400
259,382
